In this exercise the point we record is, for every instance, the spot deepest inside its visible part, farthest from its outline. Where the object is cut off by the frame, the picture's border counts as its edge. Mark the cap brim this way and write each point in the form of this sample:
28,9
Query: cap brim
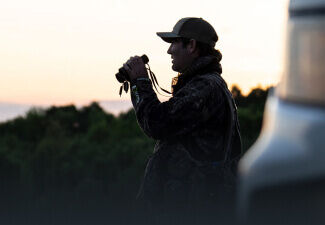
168,36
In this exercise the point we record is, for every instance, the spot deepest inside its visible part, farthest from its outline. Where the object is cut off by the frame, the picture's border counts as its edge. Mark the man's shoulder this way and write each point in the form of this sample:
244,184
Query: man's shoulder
213,80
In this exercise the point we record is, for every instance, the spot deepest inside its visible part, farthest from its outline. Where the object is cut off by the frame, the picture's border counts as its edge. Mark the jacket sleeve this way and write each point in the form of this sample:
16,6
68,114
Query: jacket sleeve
191,106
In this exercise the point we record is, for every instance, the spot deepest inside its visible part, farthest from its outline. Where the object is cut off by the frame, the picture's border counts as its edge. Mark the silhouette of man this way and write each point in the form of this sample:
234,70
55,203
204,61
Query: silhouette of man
198,142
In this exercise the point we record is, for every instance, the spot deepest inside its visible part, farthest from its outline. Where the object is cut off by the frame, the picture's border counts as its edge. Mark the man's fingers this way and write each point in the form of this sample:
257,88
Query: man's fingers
133,60
127,67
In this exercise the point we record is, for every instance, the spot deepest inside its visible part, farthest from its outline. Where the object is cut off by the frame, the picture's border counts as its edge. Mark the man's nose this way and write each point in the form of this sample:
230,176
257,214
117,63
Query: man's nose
169,50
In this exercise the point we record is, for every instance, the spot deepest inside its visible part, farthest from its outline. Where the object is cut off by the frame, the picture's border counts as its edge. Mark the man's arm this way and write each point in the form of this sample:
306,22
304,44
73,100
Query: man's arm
194,104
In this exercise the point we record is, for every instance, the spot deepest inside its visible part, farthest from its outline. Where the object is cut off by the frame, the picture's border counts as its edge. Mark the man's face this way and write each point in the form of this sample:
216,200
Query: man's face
181,58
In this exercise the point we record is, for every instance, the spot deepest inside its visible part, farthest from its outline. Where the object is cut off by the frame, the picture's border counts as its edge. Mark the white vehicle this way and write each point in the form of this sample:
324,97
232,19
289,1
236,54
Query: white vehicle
282,176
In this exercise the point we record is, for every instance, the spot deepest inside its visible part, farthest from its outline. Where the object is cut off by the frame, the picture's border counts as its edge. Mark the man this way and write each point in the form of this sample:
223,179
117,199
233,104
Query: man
198,143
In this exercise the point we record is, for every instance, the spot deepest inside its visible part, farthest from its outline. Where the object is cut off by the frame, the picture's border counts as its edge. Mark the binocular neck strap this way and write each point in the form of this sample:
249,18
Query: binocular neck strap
155,82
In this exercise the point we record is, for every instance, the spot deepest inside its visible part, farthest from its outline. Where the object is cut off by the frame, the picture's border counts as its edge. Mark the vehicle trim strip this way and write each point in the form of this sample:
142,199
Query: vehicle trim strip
307,12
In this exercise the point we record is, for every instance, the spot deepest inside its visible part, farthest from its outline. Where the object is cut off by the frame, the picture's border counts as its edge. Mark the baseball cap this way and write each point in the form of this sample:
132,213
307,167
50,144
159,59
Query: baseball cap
193,28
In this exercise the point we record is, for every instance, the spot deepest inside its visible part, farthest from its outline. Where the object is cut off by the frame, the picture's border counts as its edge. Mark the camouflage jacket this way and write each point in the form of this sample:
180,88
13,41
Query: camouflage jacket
190,130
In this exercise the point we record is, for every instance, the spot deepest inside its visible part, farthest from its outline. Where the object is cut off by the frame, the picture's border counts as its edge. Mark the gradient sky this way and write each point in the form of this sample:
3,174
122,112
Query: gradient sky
65,51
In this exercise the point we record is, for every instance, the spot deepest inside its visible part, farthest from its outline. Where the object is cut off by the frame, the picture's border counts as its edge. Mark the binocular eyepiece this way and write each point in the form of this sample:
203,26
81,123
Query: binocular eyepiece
122,74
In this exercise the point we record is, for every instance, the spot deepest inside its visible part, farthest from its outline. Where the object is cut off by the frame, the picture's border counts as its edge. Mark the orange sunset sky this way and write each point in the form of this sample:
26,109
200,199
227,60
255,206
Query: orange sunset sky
64,51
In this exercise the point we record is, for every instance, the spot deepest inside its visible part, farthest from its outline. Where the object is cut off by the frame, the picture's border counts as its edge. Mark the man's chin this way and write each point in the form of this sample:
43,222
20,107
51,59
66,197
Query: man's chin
175,68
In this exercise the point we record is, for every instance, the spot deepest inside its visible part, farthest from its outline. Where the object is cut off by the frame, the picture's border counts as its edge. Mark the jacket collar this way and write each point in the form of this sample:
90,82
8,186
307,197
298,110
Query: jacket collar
202,65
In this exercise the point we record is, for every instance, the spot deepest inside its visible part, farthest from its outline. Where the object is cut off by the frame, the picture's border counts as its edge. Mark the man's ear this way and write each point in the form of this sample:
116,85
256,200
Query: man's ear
192,46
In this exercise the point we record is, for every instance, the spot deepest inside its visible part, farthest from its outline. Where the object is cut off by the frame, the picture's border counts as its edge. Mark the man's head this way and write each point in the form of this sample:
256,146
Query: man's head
182,54
191,37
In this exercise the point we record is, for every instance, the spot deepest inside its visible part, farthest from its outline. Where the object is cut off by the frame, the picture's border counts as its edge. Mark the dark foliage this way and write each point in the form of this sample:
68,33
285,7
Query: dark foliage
250,113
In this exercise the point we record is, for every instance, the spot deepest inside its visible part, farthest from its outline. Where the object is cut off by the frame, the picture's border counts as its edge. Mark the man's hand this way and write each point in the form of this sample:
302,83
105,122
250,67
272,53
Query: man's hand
135,68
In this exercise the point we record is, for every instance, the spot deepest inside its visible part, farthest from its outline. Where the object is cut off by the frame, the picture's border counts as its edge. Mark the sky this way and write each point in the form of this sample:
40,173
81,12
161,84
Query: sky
68,51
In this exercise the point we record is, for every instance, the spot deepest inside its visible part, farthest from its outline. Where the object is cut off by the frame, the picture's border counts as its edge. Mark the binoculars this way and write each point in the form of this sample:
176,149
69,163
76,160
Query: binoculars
122,74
